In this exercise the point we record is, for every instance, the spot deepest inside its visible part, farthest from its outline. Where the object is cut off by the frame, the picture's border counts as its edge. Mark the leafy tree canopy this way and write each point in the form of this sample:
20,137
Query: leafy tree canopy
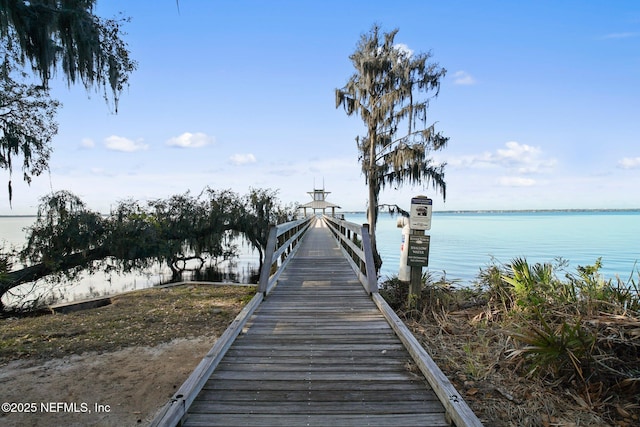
66,35
263,208
27,124
68,238
41,37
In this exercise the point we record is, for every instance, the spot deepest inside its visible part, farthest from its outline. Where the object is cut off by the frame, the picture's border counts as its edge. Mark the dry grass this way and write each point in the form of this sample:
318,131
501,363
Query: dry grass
470,344
473,355
521,364
143,318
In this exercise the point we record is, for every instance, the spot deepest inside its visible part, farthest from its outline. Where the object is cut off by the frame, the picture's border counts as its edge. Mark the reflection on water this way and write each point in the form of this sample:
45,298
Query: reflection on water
101,284
461,243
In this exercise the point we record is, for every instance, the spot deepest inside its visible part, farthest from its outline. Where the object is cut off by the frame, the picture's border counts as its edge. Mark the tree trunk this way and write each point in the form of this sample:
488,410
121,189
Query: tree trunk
372,212
37,271
372,218
176,273
260,257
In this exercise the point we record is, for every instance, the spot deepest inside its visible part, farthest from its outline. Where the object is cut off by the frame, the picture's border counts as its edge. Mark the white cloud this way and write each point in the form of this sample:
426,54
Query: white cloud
401,47
120,143
463,78
524,158
629,163
242,159
515,157
476,161
621,35
191,140
87,143
315,167
516,181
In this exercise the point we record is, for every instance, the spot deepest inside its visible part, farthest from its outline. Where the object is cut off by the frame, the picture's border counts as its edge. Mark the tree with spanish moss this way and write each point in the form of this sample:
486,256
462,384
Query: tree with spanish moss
67,238
27,124
390,90
263,208
39,38
67,36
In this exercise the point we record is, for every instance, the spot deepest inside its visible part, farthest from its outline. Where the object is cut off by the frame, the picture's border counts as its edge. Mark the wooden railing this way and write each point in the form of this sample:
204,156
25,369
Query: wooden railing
172,413
281,245
355,242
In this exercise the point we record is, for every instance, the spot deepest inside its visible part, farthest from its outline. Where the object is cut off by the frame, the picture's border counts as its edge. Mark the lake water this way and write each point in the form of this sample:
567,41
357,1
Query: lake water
103,284
461,243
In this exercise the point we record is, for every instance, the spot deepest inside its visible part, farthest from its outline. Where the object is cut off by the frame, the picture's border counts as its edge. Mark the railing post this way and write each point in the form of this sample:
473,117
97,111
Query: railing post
372,277
282,242
268,260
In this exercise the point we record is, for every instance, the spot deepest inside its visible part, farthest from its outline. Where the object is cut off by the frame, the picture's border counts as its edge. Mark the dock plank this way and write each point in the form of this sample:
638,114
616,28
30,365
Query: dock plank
317,351
313,420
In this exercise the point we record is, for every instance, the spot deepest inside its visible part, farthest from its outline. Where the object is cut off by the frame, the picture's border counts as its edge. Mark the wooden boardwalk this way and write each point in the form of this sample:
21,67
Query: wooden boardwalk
317,352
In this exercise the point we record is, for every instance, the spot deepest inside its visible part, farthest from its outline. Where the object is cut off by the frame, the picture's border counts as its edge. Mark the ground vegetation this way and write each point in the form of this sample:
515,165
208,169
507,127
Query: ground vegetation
534,345
132,354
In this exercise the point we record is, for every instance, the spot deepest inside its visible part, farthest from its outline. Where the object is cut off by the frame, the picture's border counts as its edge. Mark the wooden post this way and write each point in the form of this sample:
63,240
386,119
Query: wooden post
415,284
268,260
372,277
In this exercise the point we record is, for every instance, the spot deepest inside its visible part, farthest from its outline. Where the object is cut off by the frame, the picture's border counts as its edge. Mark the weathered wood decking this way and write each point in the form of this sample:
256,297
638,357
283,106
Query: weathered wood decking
317,352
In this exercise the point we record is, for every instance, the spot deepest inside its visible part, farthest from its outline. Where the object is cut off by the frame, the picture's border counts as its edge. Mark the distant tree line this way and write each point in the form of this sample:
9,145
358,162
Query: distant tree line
67,238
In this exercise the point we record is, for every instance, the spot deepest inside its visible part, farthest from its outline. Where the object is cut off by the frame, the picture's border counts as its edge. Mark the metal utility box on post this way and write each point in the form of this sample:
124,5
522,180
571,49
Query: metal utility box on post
420,213
418,250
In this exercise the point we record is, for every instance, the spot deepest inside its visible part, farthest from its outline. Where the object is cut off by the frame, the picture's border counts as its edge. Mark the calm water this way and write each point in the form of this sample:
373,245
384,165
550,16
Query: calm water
102,284
461,243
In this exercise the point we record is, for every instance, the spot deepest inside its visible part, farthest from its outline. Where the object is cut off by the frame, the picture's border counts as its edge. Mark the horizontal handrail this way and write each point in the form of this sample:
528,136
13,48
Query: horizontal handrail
455,406
281,245
355,243
172,413
361,257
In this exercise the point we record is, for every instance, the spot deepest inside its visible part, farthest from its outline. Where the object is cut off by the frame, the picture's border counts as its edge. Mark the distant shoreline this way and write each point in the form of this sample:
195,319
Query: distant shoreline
490,211
462,211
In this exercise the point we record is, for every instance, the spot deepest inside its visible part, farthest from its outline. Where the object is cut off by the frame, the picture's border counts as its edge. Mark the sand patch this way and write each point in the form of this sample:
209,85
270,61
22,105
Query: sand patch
120,388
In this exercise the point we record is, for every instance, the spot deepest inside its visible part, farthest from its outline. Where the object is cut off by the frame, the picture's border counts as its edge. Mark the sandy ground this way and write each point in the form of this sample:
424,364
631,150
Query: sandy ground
122,388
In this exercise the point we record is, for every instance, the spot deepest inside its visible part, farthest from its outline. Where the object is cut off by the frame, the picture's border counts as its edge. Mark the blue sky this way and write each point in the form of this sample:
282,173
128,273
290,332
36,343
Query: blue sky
541,102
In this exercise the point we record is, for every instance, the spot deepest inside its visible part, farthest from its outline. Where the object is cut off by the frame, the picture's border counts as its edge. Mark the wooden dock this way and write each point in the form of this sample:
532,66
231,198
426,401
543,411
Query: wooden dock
317,351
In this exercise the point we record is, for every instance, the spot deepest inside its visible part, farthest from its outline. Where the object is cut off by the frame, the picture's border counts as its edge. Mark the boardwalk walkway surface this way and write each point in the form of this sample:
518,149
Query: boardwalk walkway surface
317,352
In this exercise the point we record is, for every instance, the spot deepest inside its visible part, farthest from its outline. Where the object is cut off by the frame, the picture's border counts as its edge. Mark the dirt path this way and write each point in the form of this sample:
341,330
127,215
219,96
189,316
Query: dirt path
129,386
